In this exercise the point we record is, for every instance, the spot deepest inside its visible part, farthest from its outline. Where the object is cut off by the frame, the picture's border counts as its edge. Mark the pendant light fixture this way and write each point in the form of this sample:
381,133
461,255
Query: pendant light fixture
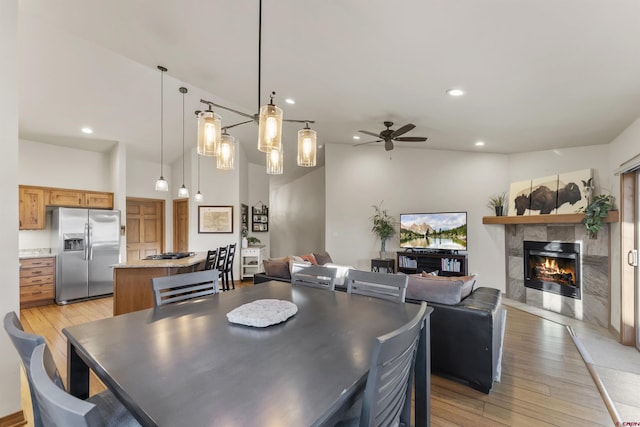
183,192
307,147
275,163
198,196
270,127
208,132
161,183
226,154
269,118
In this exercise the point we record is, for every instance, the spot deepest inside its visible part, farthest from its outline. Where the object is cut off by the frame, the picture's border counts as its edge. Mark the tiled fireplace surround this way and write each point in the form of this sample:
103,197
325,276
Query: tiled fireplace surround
594,305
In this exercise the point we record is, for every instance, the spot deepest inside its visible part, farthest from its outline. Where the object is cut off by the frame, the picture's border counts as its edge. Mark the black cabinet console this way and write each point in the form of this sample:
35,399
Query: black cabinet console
445,263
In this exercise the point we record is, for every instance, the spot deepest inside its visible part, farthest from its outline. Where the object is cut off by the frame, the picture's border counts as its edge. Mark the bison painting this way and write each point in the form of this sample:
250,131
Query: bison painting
545,200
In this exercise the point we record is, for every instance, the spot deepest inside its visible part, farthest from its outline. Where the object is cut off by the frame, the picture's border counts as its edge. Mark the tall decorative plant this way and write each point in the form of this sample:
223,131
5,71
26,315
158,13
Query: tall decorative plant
383,226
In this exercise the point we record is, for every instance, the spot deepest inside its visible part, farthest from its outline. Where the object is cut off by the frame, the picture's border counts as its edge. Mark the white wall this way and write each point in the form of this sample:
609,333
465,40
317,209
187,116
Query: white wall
56,166
259,192
9,362
621,149
297,220
412,180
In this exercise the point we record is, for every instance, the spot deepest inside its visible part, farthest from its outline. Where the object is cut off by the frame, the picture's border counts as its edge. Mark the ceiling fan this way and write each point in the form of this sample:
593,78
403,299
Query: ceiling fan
389,135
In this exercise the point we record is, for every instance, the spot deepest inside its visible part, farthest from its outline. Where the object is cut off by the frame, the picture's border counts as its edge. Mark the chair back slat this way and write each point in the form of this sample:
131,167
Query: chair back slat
181,287
231,253
387,396
316,276
380,285
212,260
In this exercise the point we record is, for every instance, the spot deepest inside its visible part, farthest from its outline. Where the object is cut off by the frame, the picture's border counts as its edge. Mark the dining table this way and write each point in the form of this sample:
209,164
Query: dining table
187,364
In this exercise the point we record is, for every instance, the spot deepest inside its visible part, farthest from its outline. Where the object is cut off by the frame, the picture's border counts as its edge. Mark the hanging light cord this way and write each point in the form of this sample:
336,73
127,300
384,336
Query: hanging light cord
259,52
198,173
183,90
162,70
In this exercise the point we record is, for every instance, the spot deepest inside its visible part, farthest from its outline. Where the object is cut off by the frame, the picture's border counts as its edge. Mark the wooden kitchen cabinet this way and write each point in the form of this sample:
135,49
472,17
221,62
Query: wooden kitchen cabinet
68,198
37,281
34,200
98,200
31,208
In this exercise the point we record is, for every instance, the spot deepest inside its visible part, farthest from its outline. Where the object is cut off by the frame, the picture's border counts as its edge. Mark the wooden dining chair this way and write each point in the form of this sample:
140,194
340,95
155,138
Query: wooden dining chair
228,266
181,287
380,285
387,394
316,276
25,344
211,261
222,261
59,408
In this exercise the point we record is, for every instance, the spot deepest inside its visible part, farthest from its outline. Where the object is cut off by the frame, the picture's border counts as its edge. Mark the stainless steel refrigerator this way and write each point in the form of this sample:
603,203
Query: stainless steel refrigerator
86,243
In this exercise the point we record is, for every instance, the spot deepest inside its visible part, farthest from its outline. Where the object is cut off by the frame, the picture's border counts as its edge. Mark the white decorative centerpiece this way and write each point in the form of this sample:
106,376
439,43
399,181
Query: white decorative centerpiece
262,312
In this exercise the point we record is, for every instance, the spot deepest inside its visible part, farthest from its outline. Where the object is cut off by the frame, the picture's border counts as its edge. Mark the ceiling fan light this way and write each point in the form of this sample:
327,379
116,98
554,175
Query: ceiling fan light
275,162
270,128
307,147
209,133
226,154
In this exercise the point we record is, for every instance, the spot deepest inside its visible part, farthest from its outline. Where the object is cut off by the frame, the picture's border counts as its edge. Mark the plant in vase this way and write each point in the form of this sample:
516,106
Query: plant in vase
253,240
383,226
595,213
497,203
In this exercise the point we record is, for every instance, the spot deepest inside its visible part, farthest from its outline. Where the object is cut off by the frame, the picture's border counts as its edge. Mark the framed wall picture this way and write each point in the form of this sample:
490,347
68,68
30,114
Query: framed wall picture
244,218
260,218
215,219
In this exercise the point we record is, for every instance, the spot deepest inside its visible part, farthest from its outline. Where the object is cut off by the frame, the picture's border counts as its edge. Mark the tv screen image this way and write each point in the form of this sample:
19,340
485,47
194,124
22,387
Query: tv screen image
443,230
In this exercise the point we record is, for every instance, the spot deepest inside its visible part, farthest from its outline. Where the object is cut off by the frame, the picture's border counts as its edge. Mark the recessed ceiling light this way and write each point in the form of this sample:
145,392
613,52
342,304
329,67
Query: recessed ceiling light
356,137
290,101
87,130
455,92
479,143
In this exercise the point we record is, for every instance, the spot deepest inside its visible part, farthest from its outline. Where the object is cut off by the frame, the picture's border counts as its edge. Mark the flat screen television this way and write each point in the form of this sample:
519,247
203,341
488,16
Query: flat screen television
446,231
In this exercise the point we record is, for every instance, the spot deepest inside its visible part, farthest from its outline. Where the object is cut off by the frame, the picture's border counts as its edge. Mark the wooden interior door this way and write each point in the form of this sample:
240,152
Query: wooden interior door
145,228
181,225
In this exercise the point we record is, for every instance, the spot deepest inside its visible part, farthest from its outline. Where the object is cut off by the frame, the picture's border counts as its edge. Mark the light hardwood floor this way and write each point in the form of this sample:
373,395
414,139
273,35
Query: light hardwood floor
544,379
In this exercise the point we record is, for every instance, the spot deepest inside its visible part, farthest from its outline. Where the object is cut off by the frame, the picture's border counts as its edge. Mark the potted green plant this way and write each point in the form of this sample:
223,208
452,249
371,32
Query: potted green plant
253,240
595,213
383,226
497,203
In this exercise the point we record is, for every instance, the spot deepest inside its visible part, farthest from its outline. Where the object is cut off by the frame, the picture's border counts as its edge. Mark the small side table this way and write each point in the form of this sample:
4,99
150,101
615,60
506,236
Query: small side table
388,264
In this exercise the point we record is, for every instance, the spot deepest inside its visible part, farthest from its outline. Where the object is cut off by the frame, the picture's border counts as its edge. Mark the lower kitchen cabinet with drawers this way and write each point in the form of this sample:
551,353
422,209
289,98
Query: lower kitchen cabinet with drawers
37,281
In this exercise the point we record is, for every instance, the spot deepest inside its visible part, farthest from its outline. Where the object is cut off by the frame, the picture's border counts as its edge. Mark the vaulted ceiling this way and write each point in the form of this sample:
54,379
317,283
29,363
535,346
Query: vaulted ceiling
538,74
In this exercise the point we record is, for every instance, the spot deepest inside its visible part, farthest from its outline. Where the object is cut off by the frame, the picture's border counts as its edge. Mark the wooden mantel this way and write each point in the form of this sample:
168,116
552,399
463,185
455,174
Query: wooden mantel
574,218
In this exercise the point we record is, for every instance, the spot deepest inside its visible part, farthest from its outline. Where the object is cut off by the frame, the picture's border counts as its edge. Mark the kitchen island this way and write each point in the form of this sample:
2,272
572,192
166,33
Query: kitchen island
132,289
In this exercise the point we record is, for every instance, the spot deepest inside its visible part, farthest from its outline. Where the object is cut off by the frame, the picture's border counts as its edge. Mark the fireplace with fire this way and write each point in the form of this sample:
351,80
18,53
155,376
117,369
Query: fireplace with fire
553,267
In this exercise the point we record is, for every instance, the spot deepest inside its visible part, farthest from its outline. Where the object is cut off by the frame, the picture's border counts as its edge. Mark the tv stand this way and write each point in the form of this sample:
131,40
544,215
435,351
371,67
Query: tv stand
447,264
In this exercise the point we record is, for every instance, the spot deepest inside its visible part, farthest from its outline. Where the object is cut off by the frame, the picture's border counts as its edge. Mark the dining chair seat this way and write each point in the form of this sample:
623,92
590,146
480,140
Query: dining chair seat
60,409
316,276
181,287
380,285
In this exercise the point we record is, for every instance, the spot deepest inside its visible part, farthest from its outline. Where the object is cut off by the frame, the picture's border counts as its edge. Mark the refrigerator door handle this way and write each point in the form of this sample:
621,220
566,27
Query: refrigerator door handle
86,241
90,242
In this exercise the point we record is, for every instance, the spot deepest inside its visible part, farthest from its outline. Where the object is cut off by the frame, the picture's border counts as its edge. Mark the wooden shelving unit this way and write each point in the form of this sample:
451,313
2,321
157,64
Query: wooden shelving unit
575,218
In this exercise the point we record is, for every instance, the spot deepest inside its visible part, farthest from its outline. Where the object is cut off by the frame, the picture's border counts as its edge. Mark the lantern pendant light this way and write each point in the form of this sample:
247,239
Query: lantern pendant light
307,147
270,127
275,162
208,132
161,183
226,153
183,192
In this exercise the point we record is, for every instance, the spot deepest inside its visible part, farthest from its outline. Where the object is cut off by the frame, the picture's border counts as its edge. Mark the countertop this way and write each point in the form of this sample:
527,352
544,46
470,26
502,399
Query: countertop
164,263
35,253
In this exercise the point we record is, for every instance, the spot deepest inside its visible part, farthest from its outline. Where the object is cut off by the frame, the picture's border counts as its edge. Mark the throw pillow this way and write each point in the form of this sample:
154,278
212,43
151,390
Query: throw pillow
297,263
276,268
429,274
322,258
310,258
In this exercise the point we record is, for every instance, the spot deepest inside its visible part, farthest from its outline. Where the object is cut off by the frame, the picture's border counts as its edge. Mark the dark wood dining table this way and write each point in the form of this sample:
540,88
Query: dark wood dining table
186,364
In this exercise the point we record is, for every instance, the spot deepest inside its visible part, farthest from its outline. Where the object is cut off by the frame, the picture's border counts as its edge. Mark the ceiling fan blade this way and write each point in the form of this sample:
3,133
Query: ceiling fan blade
388,145
364,143
366,132
411,138
404,129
